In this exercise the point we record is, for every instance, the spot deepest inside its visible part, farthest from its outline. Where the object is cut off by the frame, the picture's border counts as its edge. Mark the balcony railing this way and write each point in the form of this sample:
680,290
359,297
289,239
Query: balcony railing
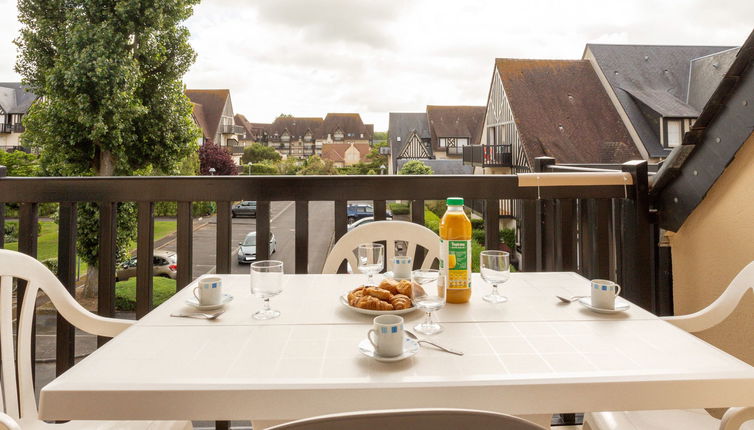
600,230
488,155
231,129
6,128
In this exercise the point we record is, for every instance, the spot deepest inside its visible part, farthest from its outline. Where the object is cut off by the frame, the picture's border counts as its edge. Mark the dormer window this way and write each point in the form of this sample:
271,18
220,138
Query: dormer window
338,135
308,137
673,131
285,137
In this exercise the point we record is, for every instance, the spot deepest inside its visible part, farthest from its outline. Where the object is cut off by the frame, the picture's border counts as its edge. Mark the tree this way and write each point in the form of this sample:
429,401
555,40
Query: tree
415,167
215,157
256,152
285,115
19,163
112,96
315,165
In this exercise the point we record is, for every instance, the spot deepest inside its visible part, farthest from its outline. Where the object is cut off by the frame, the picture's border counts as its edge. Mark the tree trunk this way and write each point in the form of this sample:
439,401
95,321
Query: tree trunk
90,286
105,167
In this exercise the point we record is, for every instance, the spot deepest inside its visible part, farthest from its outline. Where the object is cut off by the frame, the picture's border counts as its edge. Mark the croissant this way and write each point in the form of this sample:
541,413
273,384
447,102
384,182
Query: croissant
390,285
378,293
355,295
400,301
404,287
373,303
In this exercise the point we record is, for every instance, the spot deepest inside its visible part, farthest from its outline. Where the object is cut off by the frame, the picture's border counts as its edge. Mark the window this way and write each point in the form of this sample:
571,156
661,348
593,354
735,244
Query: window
674,133
338,135
443,142
285,137
491,133
308,137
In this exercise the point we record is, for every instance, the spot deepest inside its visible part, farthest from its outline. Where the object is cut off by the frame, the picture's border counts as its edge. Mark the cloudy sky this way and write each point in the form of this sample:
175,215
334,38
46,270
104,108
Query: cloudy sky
310,57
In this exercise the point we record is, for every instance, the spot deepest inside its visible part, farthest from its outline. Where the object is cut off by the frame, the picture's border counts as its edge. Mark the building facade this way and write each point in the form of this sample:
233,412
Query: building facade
213,113
15,102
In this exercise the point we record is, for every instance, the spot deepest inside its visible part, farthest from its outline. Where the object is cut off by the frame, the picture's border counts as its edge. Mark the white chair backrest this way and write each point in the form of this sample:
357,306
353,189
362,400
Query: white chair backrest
390,232
413,419
721,308
21,403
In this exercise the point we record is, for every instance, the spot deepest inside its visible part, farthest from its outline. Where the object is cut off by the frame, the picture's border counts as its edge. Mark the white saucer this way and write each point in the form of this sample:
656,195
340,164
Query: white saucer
410,347
391,275
620,306
195,303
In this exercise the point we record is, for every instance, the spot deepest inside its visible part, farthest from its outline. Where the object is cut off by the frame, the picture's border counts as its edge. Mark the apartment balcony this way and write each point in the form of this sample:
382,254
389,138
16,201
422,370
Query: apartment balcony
488,155
6,128
232,129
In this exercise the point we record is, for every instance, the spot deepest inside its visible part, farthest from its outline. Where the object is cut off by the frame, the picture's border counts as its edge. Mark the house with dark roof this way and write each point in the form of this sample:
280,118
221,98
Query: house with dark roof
440,133
15,102
213,113
302,137
704,201
253,132
658,90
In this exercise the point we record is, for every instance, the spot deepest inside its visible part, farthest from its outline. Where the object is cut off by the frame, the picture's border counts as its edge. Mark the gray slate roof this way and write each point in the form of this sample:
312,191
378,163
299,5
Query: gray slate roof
706,74
658,72
402,124
443,166
14,99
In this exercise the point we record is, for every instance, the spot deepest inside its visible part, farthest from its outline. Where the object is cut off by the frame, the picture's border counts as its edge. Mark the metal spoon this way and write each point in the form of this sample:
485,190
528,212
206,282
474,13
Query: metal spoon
199,315
564,300
442,348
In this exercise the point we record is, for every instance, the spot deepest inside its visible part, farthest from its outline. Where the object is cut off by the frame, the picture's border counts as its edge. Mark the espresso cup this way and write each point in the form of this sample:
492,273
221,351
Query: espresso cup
604,293
209,292
387,336
402,267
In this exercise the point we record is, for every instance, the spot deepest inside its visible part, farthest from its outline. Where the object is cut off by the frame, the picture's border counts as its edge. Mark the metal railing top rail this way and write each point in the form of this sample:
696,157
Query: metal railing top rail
286,188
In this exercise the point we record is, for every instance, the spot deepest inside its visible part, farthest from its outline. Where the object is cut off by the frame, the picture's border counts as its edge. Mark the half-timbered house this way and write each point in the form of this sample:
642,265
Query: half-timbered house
15,102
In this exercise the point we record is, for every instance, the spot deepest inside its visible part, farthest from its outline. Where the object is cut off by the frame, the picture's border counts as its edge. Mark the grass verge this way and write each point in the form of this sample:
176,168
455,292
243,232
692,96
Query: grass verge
125,292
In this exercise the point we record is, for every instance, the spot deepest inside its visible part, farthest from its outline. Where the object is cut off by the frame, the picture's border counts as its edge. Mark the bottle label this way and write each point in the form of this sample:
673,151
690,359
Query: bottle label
456,263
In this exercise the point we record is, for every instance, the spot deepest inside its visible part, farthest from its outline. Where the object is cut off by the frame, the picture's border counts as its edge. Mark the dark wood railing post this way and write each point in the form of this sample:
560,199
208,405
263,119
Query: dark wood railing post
302,237
380,210
223,238
144,257
541,165
263,231
637,282
185,245
65,341
492,224
28,232
108,231
3,173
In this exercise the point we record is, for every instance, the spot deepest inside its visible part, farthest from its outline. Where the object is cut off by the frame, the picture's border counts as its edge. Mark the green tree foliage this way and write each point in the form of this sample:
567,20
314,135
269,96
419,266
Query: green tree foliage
19,163
256,152
380,136
285,115
288,166
415,167
315,165
109,75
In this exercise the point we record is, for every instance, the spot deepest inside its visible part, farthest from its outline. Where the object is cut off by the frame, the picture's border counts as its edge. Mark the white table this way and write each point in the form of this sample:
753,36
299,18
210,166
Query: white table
532,355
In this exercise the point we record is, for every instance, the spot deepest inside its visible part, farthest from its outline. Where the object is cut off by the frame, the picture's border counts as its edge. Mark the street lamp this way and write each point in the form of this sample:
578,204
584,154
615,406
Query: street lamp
382,169
249,164
212,171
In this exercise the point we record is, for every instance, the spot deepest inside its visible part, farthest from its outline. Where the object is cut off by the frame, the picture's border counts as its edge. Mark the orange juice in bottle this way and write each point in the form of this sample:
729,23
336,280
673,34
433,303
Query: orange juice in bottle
455,251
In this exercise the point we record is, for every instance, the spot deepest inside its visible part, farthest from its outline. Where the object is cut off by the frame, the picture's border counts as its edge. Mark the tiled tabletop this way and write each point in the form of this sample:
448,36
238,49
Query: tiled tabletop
531,355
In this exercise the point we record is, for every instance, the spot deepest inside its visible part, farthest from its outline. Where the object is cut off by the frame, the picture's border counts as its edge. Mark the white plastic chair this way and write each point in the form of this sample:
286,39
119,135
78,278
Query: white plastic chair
18,408
389,231
412,419
688,419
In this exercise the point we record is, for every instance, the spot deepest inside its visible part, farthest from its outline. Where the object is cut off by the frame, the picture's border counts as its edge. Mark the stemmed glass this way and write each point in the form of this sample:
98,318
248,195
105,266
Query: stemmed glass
428,294
496,269
371,260
266,282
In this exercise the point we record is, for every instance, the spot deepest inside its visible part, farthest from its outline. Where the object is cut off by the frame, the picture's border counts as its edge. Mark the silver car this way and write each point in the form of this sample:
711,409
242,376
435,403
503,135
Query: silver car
245,208
247,251
164,263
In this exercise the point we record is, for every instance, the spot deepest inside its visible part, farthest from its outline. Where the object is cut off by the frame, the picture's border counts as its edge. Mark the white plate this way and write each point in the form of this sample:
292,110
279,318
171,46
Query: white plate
620,306
344,302
195,303
410,347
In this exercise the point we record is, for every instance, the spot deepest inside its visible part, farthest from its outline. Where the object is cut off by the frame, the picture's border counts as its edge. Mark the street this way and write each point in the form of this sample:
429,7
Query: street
282,222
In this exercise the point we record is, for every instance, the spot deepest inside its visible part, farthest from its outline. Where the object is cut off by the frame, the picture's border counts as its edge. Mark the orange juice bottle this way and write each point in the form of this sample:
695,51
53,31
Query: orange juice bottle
455,251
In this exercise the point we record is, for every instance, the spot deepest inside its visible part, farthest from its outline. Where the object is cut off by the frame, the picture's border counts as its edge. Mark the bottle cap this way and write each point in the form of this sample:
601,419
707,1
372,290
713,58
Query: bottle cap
455,201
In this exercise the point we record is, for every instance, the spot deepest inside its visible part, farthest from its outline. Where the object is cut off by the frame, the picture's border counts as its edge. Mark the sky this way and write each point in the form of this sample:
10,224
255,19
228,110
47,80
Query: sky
311,57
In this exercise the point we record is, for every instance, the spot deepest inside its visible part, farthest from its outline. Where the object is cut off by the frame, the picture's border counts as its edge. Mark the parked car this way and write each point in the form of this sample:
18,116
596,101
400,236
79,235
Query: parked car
164,263
245,208
247,252
357,211
364,221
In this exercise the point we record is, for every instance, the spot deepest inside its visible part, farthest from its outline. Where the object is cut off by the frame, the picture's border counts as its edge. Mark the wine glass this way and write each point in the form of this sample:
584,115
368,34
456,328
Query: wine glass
428,294
496,269
266,282
371,260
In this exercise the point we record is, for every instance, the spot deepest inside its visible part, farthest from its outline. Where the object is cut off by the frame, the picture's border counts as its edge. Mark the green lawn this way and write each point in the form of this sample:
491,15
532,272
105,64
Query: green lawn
47,244
125,292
